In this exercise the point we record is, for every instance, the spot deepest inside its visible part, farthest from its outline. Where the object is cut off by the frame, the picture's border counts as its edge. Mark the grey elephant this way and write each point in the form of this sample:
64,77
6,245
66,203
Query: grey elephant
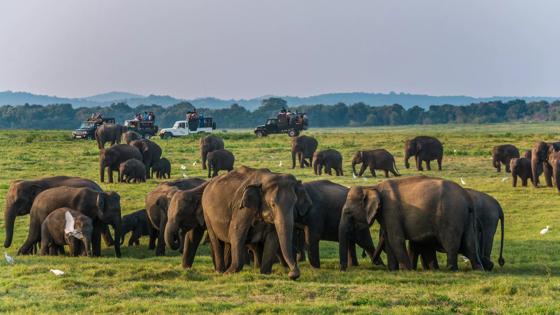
521,168
112,158
138,224
378,159
162,168
65,226
151,153
303,147
424,149
419,209
101,207
157,203
219,160
132,170
322,220
130,136
246,196
22,193
111,133
328,159
540,161
502,154
208,144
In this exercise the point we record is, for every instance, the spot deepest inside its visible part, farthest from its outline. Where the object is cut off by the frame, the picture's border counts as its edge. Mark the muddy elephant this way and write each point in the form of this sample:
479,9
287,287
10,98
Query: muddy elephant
109,133
219,160
137,222
322,220
488,213
207,145
162,169
502,154
540,161
303,147
101,207
112,158
328,159
151,153
424,149
55,232
22,193
378,159
420,209
521,168
157,203
233,201
132,170
130,136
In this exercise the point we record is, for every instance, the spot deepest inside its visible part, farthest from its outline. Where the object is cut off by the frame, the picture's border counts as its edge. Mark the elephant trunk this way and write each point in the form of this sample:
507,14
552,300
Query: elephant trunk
293,159
406,157
285,228
171,235
87,246
514,175
534,169
343,242
101,170
354,168
9,221
117,226
316,168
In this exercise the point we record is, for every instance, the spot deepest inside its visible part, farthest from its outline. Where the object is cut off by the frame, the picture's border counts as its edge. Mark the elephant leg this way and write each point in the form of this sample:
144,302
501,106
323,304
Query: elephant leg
547,174
96,238
106,234
237,242
33,237
508,170
191,242
439,164
364,240
413,254
392,262
45,241
339,171
386,173
153,236
352,257
363,169
312,241
428,167
217,248
523,181
397,243
136,234
160,247
419,163
451,245
372,170
270,249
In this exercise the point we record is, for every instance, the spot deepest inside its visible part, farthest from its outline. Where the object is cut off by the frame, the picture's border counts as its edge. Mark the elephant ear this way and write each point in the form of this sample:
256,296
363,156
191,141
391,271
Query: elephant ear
304,202
200,216
100,204
418,146
361,154
252,197
372,204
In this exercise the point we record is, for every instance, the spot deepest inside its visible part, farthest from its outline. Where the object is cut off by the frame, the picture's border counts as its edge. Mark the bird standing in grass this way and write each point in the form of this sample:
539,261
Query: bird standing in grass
545,230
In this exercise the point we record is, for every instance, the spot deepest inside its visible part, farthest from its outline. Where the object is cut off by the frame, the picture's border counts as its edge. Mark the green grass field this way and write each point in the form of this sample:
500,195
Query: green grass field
140,282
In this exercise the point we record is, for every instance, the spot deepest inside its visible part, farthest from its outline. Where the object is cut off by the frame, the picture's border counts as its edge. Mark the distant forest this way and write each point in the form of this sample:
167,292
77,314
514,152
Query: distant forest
63,116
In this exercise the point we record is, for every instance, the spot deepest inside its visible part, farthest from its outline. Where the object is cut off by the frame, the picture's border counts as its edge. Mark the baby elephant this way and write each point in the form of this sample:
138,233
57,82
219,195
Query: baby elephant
219,160
379,159
132,170
327,159
162,168
521,167
65,226
137,223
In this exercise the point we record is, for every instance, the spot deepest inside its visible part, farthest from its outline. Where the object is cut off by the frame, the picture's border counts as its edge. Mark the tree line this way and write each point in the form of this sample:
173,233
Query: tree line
64,116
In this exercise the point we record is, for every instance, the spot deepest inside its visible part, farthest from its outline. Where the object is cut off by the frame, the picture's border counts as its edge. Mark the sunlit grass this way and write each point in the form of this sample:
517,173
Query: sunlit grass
140,282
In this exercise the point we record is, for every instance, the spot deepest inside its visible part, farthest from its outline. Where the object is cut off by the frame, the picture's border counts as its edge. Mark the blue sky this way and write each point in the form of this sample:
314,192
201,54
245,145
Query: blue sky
237,49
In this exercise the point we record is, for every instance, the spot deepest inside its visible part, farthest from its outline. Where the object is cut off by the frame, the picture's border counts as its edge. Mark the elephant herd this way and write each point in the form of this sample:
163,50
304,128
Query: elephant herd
256,216
543,158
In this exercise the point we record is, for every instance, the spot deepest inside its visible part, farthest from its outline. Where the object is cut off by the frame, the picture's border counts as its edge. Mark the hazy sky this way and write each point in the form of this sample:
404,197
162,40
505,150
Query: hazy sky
302,47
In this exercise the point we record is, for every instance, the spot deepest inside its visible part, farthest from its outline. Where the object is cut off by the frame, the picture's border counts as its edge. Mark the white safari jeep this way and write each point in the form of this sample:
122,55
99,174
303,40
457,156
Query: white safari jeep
181,128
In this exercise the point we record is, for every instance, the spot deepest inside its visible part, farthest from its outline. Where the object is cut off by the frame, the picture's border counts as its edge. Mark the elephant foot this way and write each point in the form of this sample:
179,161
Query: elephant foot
378,262
294,274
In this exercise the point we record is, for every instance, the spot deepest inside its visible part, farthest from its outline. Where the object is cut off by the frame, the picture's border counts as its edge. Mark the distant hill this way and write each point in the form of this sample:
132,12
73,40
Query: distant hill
372,99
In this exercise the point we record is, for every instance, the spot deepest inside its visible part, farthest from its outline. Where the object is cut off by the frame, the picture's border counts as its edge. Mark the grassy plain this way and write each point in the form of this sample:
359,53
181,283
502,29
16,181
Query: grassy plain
142,283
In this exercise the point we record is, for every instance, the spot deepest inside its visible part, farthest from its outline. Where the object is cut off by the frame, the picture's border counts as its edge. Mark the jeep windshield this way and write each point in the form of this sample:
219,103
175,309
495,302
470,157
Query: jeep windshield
87,125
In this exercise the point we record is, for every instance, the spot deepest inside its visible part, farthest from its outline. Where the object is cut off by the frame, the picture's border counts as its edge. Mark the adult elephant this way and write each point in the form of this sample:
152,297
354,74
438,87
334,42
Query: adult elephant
421,209
112,158
208,144
322,220
233,201
502,154
157,203
328,159
378,159
151,153
303,147
540,161
101,207
109,133
424,149
22,193
130,136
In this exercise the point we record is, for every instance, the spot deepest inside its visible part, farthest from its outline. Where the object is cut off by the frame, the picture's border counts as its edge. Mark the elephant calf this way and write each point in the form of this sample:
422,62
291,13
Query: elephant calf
378,159
162,169
132,171
137,223
502,154
521,167
130,136
327,159
65,226
219,160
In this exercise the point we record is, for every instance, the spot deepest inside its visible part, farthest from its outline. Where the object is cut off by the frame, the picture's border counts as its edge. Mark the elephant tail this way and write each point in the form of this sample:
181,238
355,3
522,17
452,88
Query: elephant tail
397,173
501,260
